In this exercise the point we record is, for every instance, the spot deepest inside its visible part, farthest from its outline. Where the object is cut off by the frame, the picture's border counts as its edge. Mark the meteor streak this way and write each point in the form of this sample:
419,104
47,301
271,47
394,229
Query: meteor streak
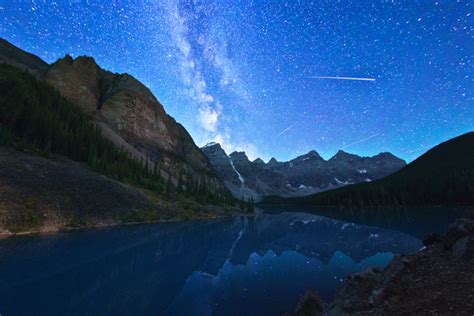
361,140
342,78
286,129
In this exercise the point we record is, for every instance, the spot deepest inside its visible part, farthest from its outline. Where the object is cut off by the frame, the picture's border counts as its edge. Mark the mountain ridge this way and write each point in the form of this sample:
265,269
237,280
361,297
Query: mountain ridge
302,175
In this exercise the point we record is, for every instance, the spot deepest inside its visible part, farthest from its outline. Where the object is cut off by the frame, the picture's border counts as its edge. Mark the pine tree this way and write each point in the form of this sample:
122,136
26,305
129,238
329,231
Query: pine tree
250,206
169,185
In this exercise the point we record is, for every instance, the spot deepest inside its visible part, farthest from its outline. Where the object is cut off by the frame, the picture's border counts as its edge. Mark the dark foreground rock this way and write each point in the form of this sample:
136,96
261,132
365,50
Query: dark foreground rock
439,280
310,304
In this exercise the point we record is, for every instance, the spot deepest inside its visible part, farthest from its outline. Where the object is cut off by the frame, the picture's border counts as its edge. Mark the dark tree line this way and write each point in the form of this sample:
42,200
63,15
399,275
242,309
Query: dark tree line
454,188
248,205
34,114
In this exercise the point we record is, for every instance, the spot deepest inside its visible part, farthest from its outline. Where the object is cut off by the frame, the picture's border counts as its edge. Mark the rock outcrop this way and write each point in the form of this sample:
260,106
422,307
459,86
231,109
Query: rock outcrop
310,304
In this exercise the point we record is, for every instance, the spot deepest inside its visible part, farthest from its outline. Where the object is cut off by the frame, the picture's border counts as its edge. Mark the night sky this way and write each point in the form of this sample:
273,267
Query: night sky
248,74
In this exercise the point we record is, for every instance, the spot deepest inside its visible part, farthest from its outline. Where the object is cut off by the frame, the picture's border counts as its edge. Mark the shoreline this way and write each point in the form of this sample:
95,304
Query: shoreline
62,229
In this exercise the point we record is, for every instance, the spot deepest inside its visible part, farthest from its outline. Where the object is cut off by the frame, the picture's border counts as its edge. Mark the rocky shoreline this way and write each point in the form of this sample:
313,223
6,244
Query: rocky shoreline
438,280
104,224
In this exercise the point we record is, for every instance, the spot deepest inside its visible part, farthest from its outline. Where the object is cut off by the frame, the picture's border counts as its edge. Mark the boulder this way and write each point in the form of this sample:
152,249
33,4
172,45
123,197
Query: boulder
459,229
360,291
431,239
459,249
310,305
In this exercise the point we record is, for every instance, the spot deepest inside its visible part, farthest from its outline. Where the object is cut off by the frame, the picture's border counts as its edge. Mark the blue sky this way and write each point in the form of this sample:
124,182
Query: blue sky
245,73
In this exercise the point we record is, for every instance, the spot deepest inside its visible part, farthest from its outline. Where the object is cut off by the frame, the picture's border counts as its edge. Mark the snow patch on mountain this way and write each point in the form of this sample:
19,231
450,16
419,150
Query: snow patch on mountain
347,225
210,144
342,182
238,173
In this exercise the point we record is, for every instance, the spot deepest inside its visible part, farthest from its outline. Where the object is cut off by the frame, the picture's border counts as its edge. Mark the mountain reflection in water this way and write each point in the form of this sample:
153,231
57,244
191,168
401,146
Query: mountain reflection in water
243,266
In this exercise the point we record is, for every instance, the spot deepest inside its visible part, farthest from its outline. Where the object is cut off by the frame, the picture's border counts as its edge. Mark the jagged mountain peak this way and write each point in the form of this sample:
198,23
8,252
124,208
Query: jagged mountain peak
214,149
341,154
259,161
385,154
273,161
83,60
86,59
211,144
239,155
312,155
387,157
66,59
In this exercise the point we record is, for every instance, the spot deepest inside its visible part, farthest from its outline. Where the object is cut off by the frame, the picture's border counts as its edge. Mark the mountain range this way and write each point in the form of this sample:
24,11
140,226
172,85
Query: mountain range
303,175
444,175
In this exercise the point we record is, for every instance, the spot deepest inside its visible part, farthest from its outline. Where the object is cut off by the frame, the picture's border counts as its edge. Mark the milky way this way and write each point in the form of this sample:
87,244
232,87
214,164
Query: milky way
243,72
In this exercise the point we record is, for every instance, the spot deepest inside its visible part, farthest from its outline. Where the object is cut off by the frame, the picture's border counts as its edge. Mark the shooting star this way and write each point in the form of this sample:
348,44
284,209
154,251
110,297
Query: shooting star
361,140
417,149
342,78
286,129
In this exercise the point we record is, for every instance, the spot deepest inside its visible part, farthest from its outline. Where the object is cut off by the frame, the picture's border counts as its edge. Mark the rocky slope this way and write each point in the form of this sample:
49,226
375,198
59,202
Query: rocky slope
39,194
34,197
438,280
304,175
127,111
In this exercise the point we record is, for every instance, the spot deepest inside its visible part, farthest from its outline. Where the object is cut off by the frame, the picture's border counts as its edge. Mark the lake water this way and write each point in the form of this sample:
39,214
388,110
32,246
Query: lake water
244,266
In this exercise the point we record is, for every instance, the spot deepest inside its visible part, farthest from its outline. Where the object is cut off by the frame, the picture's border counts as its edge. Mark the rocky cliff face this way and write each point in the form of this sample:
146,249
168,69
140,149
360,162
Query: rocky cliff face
304,175
126,110
222,164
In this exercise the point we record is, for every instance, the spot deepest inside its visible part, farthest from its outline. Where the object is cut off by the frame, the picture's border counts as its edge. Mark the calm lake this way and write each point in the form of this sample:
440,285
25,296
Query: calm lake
243,266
